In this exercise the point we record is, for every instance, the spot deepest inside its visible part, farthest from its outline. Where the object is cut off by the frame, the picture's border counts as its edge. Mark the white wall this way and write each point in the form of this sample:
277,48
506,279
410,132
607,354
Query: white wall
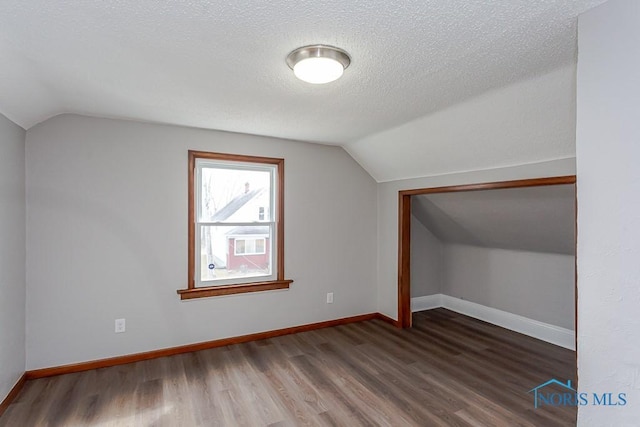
426,261
535,285
608,154
529,121
12,255
107,238
387,284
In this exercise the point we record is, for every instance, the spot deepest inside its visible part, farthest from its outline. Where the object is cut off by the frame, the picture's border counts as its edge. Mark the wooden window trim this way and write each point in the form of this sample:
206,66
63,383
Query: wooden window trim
202,292
242,288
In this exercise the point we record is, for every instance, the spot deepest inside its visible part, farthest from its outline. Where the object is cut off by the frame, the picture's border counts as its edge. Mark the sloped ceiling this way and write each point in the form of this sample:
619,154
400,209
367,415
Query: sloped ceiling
525,122
537,219
221,64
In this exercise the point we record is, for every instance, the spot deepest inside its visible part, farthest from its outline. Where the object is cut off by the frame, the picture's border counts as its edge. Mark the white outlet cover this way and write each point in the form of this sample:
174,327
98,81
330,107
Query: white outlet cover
330,298
120,326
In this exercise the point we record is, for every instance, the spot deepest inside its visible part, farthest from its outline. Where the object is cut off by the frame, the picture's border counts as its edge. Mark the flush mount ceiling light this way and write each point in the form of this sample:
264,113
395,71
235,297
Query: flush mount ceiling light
318,64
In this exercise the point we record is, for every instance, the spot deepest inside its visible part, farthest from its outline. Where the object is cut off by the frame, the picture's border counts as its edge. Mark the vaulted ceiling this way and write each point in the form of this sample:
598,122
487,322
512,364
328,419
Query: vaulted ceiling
221,64
536,219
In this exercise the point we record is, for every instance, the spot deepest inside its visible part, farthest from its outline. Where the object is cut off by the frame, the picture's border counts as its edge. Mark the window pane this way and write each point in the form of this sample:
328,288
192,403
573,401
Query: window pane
234,195
250,247
228,252
240,246
260,246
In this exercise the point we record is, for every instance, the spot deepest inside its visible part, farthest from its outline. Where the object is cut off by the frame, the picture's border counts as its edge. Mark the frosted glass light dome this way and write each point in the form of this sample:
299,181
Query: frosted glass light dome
318,70
318,64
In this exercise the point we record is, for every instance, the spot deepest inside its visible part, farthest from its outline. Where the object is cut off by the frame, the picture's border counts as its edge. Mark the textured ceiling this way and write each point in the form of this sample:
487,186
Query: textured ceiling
537,219
529,121
221,64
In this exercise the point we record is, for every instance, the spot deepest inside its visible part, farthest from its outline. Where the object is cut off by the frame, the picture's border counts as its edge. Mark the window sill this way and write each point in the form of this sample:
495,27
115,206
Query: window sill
212,291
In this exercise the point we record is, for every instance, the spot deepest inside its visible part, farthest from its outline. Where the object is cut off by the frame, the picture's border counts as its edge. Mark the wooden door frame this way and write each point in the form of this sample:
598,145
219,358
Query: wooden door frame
404,231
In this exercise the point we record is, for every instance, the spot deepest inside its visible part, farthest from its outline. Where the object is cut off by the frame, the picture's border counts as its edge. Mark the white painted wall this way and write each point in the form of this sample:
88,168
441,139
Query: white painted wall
426,261
608,151
529,121
107,238
535,285
387,284
12,255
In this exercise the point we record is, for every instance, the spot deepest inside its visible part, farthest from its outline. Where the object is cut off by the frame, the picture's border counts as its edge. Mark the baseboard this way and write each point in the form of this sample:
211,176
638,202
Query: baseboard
13,393
387,319
426,303
543,331
137,357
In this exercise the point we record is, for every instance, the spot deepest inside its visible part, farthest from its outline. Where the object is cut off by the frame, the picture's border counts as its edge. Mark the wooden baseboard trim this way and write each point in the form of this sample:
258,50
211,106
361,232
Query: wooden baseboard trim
131,358
387,319
13,393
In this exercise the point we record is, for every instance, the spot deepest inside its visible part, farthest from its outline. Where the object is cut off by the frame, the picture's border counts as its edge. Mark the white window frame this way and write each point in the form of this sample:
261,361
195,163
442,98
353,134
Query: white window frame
200,164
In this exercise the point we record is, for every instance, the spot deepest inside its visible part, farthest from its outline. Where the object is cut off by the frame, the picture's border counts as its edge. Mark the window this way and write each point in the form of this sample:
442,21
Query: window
236,225
254,246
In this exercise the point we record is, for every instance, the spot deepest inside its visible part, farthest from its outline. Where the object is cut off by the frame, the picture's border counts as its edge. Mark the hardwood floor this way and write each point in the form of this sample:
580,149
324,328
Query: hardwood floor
449,370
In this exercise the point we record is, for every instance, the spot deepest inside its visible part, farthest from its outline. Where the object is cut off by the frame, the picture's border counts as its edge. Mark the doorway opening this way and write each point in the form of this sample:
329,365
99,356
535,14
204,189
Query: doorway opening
404,232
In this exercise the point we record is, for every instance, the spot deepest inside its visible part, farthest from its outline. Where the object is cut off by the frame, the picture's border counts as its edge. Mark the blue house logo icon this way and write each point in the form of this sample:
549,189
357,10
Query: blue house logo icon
568,398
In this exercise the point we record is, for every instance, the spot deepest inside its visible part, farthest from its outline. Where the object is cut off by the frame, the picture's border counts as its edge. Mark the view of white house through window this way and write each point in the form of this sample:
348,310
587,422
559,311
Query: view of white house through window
235,225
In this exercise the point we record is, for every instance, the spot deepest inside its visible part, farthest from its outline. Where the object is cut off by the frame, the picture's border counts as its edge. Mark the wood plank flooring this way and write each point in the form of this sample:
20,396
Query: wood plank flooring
449,370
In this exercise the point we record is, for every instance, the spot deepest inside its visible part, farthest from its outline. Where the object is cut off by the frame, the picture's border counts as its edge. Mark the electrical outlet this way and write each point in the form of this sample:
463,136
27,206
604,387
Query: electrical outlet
120,326
330,298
